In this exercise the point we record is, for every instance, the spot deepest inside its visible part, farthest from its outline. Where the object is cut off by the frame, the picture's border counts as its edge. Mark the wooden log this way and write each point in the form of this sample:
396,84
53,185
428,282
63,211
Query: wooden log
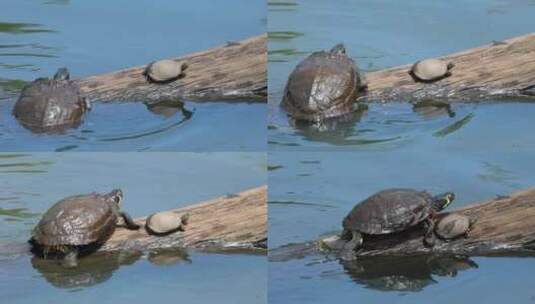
501,69
235,222
237,70
504,226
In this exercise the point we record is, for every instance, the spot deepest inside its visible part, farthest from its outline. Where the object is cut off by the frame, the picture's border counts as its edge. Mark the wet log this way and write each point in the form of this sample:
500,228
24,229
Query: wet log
504,226
234,71
498,70
229,223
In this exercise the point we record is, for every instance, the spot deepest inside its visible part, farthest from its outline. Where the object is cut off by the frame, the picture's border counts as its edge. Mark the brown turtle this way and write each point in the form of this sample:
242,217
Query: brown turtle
51,105
325,84
79,222
389,211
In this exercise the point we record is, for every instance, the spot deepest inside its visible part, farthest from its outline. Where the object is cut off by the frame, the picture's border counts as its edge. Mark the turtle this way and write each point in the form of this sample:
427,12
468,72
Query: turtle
166,222
389,211
78,223
163,71
326,84
430,70
51,105
453,226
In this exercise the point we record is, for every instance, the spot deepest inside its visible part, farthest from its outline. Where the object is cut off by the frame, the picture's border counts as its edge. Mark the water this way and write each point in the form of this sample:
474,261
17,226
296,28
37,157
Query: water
481,151
30,183
39,36
379,35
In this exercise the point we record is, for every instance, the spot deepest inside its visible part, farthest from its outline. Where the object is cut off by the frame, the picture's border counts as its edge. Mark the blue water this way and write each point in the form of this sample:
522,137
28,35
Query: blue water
316,176
380,34
30,183
92,37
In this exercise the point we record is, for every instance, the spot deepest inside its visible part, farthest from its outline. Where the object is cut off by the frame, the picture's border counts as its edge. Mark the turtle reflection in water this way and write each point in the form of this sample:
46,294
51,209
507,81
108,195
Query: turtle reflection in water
93,269
51,105
411,273
431,108
337,131
168,256
326,84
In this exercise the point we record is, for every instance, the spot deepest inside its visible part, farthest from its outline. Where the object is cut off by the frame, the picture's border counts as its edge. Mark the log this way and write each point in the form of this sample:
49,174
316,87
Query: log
504,226
231,72
501,69
234,222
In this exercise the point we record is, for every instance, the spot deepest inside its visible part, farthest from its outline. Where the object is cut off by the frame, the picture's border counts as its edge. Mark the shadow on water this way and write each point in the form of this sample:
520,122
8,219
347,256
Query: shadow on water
412,273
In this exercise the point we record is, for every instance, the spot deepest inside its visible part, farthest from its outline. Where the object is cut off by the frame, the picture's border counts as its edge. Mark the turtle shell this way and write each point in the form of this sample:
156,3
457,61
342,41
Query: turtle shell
325,84
165,222
389,211
430,69
452,226
164,70
50,105
76,221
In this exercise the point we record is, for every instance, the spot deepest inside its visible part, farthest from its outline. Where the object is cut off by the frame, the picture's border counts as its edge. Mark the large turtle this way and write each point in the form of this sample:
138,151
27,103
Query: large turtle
325,84
51,105
79,222
389,211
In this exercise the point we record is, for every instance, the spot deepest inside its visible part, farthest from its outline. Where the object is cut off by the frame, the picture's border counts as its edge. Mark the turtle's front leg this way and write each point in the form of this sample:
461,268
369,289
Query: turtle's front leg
129,222
348,252
429,237
70,260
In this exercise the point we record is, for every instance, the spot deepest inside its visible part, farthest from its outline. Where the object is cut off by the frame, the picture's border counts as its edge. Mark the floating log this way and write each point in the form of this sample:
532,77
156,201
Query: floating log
237,70
504,226
233,222
501,69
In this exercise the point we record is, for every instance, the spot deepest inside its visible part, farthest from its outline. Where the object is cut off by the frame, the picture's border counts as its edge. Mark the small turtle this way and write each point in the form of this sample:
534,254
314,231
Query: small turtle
51,105
325,84
79,222
430,70
163,71
453,226
389,211
166,222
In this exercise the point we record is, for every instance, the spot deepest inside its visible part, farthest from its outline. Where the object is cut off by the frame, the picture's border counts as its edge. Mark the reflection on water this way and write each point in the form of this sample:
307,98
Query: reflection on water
91,270
169,256
404,273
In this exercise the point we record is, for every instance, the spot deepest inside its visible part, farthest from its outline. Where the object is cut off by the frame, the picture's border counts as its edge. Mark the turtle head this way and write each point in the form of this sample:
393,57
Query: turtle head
115,196
62,74
442,201
338,49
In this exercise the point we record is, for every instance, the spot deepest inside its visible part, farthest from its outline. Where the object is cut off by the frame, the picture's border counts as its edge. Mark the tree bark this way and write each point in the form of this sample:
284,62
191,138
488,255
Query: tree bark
236,222
501,69
234,71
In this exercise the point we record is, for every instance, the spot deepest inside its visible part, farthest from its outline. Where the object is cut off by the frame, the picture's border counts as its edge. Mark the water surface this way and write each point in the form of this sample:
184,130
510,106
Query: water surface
39,36
30,183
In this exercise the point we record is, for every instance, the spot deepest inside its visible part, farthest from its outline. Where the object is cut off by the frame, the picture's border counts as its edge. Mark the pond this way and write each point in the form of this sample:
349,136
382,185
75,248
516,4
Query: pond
39,36
379,35
30,183
477,151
